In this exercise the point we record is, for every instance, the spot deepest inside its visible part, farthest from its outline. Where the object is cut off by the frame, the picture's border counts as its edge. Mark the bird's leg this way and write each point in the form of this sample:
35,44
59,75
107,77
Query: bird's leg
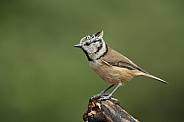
104,97
103,92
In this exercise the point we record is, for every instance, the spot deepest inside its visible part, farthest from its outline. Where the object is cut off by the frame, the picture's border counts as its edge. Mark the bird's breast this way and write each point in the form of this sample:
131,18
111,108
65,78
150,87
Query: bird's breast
111,74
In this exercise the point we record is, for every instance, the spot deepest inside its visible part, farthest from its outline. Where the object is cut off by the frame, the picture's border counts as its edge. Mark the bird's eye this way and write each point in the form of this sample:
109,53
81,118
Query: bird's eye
87,44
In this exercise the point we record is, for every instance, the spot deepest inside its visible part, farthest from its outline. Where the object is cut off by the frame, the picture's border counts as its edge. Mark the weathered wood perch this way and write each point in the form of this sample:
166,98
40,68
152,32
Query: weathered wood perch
106,111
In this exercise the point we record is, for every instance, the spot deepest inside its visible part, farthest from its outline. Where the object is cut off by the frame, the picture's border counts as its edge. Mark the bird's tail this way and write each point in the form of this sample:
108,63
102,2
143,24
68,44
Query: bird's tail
151,76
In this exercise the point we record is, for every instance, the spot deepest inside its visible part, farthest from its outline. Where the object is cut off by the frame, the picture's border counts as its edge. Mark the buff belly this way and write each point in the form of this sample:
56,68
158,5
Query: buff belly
111,74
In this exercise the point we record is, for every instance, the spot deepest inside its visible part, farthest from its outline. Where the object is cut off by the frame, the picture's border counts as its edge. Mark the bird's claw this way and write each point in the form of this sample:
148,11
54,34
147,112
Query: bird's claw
108,97
102,97
98,95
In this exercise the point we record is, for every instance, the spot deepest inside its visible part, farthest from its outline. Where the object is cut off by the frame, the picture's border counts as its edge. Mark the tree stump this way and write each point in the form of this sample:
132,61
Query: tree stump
106,111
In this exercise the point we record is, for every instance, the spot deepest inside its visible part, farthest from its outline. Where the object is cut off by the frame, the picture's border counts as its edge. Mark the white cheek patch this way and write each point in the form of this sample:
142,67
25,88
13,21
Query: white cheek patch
89,49
92,48
98,44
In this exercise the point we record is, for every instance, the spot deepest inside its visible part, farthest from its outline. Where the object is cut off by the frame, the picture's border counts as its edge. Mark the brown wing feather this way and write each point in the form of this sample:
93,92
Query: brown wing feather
114,58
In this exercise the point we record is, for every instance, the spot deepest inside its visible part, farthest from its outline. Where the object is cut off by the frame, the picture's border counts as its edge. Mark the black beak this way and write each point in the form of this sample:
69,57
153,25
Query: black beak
78,45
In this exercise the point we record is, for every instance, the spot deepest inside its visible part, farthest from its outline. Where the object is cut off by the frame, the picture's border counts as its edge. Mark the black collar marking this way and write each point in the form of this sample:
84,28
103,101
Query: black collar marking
104,52
89,59
101,44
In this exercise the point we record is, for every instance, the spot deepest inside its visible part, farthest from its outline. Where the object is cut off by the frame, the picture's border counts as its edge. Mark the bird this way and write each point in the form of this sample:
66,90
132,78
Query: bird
110,65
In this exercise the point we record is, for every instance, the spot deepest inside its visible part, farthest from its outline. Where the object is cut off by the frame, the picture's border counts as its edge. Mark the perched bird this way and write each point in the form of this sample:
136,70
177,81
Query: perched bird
110,65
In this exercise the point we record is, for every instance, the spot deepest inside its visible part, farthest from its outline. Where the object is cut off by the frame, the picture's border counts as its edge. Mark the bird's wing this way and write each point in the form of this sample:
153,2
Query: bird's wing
123,65
116,59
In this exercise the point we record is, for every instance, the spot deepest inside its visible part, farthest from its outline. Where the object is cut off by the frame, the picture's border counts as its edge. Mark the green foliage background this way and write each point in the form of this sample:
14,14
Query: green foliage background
43,78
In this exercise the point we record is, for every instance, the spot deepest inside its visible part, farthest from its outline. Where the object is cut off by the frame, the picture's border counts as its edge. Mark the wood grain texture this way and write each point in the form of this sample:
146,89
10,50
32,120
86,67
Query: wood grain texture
106,111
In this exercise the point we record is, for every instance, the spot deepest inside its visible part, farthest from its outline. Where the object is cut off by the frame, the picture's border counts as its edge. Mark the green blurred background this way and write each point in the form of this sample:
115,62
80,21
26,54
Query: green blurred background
43,78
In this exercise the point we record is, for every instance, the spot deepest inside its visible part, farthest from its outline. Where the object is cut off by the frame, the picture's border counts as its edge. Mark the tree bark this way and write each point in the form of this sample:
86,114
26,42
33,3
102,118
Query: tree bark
106,111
